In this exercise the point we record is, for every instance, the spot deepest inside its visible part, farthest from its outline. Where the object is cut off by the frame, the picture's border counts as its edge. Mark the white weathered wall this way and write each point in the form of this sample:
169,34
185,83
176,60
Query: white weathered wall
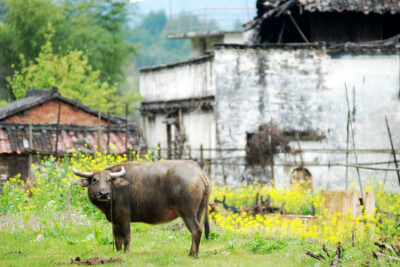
194,79
303,89
300,89
199,128
200,45
233,38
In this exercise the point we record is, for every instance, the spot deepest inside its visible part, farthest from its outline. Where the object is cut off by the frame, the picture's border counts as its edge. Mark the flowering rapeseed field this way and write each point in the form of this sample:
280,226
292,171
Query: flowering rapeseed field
53,194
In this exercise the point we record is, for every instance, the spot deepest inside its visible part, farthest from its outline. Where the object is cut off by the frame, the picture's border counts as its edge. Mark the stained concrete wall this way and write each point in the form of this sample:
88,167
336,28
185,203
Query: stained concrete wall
304,89
178,81
300,88
199,129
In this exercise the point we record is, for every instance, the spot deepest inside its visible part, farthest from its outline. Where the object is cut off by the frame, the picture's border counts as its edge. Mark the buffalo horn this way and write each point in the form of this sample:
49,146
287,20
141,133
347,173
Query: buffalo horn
83,174
118,174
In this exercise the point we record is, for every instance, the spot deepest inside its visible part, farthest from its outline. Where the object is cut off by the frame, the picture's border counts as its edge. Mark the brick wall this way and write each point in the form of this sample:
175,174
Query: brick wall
48,113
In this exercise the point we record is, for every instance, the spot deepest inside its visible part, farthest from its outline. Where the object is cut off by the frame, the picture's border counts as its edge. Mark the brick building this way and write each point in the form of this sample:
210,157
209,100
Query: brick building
30,125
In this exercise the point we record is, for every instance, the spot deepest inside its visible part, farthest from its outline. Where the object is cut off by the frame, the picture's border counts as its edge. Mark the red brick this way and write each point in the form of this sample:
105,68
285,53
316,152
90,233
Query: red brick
48,113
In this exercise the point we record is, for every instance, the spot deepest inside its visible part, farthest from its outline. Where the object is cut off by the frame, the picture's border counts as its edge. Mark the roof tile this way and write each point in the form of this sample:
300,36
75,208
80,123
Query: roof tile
71,137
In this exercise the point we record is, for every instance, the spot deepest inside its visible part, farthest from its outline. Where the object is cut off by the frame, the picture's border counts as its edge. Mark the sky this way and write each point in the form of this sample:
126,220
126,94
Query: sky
225,12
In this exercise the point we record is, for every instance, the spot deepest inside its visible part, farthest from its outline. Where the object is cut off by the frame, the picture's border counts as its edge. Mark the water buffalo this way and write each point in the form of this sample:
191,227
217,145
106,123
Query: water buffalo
151,193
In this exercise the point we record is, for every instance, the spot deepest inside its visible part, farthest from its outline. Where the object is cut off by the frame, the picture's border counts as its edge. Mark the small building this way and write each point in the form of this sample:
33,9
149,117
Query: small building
219,99
43,118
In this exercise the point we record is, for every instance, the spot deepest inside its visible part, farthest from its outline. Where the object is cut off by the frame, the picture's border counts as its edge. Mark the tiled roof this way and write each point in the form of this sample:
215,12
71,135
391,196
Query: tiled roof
365,6
37,97
14,138
270,8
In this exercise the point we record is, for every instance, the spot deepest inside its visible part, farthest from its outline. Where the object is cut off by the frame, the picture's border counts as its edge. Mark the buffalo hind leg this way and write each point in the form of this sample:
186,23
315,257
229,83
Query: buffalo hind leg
122,235
195,229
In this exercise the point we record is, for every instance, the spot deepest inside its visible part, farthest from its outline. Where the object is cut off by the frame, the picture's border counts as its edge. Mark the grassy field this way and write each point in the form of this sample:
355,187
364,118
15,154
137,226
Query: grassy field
53,222
166,245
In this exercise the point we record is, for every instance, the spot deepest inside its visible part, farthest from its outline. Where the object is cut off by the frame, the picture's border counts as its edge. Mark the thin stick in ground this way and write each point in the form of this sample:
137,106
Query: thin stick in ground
354,147
309,253
383,245
326,250
379,254
394,153
336,258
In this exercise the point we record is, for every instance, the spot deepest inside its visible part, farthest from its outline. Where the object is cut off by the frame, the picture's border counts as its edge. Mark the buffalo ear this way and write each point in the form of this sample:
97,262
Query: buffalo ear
117,182
82,182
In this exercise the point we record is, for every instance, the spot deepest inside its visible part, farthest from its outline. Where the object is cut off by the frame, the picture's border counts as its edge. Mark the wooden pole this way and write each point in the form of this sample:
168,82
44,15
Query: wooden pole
347,149
169,141
201,157
281,32
126,127
297,27
159,151
181,133
386,173
139,133
393,152
30,174
98,130
272,157
108,132
58,127
355,150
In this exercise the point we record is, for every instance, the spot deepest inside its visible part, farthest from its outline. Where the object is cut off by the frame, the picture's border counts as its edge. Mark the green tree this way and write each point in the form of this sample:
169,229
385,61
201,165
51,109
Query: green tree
71,73
93,26
153,45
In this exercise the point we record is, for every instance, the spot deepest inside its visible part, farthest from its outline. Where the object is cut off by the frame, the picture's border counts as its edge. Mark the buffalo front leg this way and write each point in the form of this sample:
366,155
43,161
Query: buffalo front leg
122,236
195,229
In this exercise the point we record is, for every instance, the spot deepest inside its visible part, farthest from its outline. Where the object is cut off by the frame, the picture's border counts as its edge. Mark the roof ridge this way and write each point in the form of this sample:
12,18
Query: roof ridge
36,97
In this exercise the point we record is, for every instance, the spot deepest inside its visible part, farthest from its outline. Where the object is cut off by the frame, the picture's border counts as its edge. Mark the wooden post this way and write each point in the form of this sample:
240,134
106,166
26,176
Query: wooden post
159,151
126,127
30,174
58,127
108,132
201,157
384,178
347,149
297,27
169,141
272,157
139,133
393,151
354,147
190,152
281,32
181,133
98,130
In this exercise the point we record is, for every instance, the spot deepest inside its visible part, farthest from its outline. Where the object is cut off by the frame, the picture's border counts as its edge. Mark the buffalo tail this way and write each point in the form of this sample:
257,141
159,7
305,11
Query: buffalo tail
207,193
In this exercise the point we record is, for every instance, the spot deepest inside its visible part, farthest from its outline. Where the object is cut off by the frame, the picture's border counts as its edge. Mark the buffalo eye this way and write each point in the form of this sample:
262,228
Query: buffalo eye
94,179
109,180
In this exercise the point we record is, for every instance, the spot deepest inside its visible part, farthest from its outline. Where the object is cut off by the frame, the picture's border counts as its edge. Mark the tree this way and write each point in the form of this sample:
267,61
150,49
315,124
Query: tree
153,45
93,26
97,26
71,73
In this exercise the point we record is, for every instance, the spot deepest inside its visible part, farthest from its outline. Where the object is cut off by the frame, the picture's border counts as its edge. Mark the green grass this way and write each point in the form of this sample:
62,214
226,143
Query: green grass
164,245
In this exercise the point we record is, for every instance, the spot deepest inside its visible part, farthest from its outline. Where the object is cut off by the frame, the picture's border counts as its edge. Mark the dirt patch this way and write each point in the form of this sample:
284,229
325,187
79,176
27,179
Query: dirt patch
14,252
94,261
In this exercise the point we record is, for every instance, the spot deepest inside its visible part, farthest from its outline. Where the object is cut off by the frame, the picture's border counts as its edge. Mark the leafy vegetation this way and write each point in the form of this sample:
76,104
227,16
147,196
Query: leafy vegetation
93,27
153,46
71,73
58,221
